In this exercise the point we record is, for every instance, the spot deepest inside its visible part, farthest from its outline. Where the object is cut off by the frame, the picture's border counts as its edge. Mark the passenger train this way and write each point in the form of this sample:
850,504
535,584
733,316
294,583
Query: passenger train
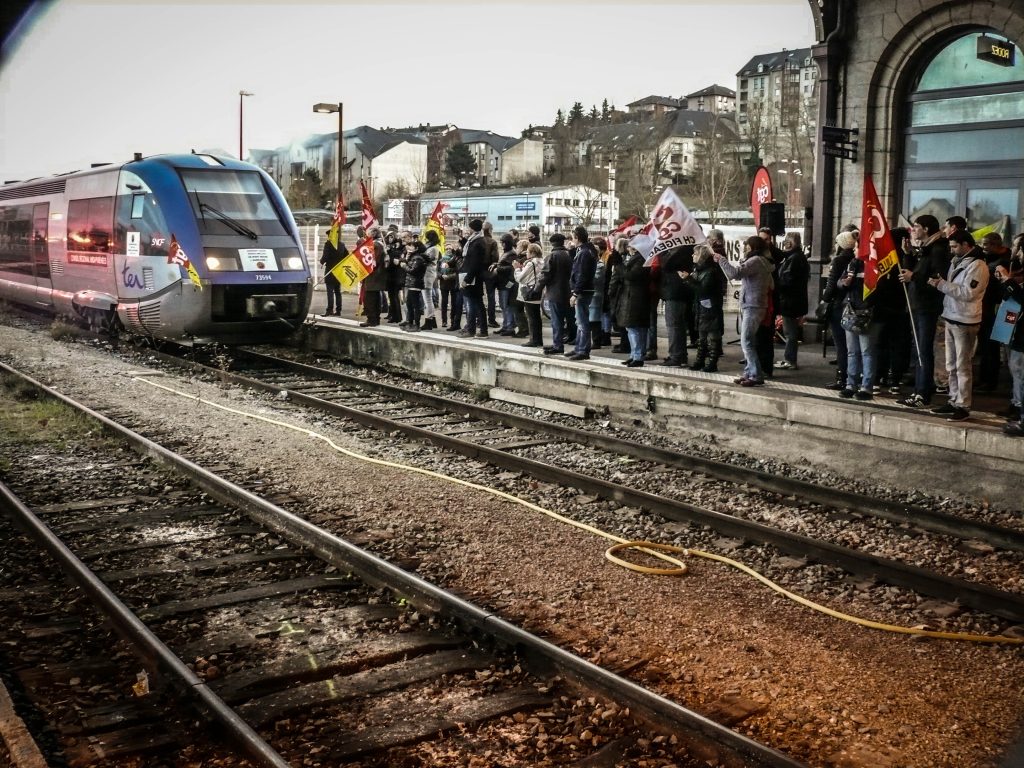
189,248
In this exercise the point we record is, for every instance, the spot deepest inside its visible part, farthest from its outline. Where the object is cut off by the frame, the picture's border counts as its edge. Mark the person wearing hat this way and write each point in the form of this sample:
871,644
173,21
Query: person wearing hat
471,279
555,278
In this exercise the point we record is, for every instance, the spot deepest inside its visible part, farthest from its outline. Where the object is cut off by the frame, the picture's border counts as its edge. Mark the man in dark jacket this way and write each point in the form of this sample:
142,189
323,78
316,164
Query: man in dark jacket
581,286
330,258
791,279
375,283
493,256
1011,289
925,303
677,295
554,277
996,254
395,251
474,268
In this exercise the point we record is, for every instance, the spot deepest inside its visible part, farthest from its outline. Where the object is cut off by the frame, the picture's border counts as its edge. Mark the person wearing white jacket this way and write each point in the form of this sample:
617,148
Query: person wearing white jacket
964,289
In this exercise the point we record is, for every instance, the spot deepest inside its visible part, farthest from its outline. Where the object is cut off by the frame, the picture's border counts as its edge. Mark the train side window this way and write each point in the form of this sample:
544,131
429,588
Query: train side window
89,224
138,204
16,239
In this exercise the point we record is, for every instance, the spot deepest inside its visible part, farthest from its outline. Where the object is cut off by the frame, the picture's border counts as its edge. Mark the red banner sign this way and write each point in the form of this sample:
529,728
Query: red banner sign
760,192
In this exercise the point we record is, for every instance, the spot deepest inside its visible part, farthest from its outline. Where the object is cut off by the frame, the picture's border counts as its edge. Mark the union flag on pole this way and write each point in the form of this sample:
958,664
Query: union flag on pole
339,218
434,223
876,248
621,230
357,265
369,218
176,255
671,226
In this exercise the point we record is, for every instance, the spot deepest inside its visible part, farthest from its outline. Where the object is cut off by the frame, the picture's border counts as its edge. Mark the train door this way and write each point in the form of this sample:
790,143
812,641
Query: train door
41,252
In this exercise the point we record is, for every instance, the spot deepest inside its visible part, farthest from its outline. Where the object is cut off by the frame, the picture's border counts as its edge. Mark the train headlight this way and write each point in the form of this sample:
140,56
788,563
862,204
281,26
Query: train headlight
222,263
293,263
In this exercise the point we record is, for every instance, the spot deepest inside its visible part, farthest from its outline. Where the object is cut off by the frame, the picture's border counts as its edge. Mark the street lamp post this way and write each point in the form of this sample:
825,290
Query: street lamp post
326,109
241,97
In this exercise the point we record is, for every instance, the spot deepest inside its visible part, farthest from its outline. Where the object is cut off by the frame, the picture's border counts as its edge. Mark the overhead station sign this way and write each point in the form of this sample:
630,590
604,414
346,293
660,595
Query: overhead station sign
1001,52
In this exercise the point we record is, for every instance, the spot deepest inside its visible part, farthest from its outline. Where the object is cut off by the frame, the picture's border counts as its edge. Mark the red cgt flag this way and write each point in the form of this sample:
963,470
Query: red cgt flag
876,248
369,218
623,228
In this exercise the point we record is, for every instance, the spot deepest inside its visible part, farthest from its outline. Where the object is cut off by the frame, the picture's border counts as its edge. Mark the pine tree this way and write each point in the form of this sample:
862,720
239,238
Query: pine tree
593,116
559,119
604,111
576,113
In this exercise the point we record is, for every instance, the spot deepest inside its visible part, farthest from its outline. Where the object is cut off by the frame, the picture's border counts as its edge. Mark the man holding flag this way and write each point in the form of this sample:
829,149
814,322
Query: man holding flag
333,254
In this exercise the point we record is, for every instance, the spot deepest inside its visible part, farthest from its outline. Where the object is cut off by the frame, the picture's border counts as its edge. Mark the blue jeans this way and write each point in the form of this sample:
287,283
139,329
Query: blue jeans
1015,362
508,318
558,312
791,328
838,338
862,356
637,343
750,321
925,324
473,302
583,339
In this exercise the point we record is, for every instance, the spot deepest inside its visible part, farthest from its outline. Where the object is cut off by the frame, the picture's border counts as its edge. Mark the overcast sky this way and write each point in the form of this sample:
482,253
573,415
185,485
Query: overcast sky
96,81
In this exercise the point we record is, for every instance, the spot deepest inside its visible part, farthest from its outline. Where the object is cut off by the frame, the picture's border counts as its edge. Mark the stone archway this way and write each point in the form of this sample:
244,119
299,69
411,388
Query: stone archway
912,39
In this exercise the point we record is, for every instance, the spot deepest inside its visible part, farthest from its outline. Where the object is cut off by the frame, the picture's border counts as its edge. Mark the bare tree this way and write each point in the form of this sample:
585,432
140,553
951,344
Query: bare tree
587,205
718,174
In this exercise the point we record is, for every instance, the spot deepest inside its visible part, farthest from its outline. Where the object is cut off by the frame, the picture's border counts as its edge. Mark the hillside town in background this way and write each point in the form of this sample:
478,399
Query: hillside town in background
588,167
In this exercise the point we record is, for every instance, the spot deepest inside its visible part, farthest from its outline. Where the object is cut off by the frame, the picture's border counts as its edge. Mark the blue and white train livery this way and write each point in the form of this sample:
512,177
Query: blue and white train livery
190,248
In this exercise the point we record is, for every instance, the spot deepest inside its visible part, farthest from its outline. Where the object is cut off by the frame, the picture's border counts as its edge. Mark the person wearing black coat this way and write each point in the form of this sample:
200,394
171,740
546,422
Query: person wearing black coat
925,303
676,294
633,309
709,292
614,268
395,250
581,286
834,294
791,278
505,281
554,278
330,258
1012,289
474,269
448,281
415,266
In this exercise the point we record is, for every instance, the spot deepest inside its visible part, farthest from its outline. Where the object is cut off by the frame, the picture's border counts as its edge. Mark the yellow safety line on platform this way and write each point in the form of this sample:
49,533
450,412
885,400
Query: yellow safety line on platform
650,548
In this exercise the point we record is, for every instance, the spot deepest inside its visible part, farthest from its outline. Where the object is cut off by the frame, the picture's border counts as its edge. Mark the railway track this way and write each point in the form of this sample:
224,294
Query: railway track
536,447
294,641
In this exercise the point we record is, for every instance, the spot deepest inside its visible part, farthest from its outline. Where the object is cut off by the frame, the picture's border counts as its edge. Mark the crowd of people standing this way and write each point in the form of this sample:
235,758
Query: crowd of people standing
922,325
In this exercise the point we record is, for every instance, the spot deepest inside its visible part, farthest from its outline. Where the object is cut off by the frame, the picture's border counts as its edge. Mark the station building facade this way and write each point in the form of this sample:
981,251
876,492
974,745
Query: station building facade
936,91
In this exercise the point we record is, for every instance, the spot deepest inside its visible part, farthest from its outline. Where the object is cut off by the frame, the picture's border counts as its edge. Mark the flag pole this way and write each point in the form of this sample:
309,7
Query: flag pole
910,311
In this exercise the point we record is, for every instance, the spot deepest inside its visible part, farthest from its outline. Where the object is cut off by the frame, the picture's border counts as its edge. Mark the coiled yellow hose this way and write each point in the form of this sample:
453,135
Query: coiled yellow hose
659,551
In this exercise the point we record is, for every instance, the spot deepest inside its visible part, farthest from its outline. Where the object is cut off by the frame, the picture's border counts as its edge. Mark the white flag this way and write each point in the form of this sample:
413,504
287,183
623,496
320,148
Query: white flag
671,226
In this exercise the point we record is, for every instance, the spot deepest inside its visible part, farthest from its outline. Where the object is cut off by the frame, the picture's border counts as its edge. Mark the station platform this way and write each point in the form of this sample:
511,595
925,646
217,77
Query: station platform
653,396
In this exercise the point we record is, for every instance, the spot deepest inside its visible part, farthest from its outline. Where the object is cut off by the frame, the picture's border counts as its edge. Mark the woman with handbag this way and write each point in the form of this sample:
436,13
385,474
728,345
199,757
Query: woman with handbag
862,334
832,303
530,292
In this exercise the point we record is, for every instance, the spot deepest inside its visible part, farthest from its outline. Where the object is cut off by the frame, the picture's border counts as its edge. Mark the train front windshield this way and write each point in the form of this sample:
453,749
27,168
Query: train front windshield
231,202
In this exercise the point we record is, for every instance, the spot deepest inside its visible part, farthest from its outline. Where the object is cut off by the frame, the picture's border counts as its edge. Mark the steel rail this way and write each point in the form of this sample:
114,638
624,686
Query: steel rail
665,715
899,512
975,596
148,646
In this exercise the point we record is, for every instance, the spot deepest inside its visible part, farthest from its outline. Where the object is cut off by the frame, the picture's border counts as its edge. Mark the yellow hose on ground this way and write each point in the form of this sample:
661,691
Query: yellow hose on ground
651,548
